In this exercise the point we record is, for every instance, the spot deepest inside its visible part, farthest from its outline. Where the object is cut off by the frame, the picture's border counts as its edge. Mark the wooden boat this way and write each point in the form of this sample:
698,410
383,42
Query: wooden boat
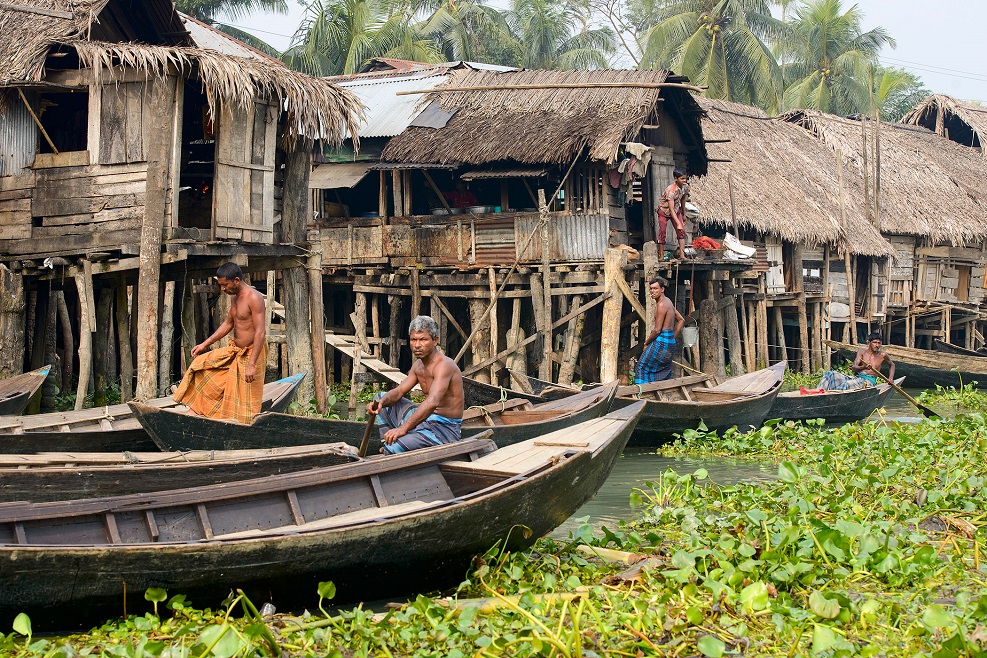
107,429
832,406
511,421
544,389
949,348
382,527
927,368
64,476
478,394
676,405
17,391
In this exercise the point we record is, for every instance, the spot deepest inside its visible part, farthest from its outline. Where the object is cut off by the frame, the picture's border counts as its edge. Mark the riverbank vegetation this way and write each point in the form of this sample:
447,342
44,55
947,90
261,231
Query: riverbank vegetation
869,542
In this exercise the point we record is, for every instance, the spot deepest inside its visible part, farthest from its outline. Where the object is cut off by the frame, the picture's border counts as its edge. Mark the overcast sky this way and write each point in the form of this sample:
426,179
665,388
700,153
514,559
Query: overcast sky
941,41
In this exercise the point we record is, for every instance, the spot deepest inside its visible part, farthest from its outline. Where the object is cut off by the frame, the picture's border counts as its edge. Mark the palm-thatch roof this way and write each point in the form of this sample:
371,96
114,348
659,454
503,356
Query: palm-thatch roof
314,107
964,123
784,182
929,186
545,125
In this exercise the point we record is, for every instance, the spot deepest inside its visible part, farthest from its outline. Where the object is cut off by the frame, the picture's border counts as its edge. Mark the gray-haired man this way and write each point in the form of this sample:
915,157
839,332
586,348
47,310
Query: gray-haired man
406,426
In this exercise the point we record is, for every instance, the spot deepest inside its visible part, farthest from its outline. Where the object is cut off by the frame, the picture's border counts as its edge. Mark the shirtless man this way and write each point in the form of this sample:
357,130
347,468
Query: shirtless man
223,383
655,363
405,426
866,365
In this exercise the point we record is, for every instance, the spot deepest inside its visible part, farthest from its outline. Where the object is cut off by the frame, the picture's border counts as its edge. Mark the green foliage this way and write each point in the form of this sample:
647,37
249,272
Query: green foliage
967,397
66,400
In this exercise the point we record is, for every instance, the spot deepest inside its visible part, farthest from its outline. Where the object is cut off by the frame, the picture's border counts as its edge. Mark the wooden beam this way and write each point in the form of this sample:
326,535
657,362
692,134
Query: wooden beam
584,85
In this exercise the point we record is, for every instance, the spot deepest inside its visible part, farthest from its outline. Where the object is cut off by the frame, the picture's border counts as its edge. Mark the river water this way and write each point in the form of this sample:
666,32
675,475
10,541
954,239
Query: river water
638,466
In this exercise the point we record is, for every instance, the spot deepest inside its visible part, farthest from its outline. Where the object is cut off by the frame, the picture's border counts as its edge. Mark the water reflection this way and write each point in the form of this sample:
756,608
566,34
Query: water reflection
637,466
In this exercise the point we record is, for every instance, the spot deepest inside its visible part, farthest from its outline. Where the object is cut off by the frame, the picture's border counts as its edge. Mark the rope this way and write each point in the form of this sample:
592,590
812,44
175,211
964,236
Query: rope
640,391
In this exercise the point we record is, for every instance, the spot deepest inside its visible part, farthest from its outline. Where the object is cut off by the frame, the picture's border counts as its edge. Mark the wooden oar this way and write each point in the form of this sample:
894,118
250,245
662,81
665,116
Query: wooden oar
928,413
365,442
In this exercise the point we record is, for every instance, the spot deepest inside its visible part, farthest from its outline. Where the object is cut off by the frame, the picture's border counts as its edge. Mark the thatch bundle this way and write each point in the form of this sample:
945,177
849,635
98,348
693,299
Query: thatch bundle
532,126
785,183
964,123
929,186
315,108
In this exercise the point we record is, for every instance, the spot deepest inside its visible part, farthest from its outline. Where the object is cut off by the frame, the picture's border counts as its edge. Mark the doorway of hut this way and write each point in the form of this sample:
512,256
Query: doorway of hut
198,166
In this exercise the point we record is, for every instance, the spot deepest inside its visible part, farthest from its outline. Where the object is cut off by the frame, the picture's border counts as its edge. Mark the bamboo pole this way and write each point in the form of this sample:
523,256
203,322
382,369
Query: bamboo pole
584,85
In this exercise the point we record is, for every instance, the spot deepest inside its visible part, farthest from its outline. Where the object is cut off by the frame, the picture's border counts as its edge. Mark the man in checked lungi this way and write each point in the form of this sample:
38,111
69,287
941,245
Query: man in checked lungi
224,382
406,426
655,363
865,367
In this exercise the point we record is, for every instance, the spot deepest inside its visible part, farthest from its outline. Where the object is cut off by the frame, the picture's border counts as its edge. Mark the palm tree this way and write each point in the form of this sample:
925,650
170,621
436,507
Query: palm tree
210,12
828,57
897,91
470,30
720,44
340,36
553,34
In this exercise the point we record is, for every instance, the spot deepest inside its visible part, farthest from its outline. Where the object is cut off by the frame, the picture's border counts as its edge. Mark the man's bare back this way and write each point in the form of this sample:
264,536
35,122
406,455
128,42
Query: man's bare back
667,316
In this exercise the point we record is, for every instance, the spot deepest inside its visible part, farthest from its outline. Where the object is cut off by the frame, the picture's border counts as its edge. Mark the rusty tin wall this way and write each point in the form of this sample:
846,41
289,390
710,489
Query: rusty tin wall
571,237
18,138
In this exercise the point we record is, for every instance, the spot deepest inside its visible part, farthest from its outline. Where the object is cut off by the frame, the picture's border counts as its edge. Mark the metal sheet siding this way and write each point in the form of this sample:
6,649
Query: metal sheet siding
387,113
18,138
571,237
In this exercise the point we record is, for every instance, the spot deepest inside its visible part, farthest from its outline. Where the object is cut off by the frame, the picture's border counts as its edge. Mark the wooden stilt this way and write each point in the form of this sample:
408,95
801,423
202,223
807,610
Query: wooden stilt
733,338
709,338
187,315
516,362
538,311
48,354
272,369
416,294
762,324
748,346
13,307
803,320
317,313
545,371
574,336
85,339
167,336
103,306
31,321
494,329
781,345
851,295
68,342
480,344
397,188
613,262
394,326
123,333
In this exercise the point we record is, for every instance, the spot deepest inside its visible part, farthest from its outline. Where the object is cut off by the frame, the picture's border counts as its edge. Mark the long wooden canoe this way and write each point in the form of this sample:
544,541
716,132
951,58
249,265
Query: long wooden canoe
17,391
478,394
107,429
511,421
832,406
383,527
676,405
544,389
927,368
949,348
63,476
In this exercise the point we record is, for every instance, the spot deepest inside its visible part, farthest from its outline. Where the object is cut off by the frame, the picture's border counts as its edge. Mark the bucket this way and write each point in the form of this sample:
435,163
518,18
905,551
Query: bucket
690,336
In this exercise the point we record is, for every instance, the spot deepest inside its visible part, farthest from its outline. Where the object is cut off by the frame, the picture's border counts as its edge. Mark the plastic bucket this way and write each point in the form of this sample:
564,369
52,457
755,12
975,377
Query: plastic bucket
690,336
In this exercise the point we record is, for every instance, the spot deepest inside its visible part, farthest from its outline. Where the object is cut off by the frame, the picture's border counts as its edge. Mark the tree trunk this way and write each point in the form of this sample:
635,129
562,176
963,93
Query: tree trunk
167,335
12,316
104,306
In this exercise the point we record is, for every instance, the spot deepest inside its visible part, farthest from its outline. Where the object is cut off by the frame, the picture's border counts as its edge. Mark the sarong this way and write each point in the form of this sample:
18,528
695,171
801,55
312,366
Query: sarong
214,385
655,363
663,220
837,381
433,431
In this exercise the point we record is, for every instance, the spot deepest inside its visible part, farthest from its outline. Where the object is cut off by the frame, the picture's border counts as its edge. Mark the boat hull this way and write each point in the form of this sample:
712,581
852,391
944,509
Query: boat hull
16,392
928,368
478,394
835,407
421,552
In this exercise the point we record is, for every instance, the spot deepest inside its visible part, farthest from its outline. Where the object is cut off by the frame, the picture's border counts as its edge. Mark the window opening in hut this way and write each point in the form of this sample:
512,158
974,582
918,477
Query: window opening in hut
198,167
962,292
65,117
861,284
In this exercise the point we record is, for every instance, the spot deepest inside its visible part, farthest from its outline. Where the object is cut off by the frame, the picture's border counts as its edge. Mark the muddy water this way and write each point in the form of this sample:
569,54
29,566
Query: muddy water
638,466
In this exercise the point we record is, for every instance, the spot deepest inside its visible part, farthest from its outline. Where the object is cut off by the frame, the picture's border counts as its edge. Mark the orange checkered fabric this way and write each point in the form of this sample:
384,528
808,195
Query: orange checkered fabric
214,385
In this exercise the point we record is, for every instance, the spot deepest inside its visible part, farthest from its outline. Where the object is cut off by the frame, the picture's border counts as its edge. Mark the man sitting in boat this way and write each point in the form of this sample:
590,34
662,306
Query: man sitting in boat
224,382
655,363
866,365
406,426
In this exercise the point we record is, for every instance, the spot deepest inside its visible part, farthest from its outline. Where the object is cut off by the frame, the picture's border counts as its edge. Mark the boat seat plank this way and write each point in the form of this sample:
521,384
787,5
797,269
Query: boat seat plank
358,516
691,380
703,395
532,416
521,458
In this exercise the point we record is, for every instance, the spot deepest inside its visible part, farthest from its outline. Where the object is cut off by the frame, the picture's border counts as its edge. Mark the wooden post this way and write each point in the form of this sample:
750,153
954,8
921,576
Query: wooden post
538,311
416,294
378,346
613,267
68,344
273,366
780,342
397,189
481,339
394,327
545,369
382,197
494,329
296,298
852,296
86,339
186,314
167,335
12,311
317,313
733,337
359,319
123,336
762,324
357,368
574,336
650,271
799,282
709,337
516,362
745,330
48,355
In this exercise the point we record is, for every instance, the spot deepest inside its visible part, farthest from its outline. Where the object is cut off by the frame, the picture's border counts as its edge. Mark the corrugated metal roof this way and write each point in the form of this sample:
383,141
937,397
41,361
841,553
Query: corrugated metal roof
387,114
518,172
205,36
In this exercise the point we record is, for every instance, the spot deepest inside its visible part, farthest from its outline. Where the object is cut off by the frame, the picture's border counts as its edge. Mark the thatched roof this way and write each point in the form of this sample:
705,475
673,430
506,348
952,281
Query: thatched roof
964,123
784,182
537,126
930,186
314,107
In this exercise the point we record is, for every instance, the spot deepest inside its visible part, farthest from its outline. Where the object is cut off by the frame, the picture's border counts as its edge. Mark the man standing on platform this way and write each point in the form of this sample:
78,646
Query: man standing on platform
405,426
655,363
224,383
672,208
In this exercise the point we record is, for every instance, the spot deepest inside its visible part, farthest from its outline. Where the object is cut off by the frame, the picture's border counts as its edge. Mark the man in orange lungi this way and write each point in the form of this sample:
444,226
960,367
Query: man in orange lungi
224,383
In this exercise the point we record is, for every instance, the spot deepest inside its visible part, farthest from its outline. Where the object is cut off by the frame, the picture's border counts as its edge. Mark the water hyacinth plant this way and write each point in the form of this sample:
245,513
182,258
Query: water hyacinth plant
868,543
